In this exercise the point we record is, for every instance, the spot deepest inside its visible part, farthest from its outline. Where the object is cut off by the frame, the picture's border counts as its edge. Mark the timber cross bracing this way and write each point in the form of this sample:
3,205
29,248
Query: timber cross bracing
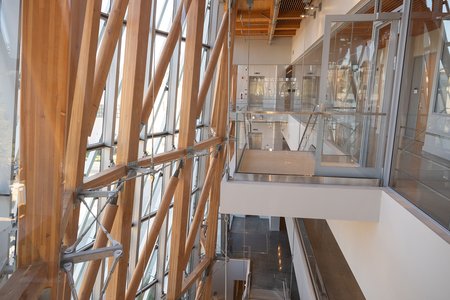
129,161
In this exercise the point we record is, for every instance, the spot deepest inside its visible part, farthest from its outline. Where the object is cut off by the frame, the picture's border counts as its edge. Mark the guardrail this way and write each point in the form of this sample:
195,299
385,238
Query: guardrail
316,278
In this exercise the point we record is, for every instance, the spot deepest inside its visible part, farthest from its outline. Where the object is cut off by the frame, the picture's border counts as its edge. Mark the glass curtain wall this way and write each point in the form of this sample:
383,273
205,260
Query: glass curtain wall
159,135
420,168
9,83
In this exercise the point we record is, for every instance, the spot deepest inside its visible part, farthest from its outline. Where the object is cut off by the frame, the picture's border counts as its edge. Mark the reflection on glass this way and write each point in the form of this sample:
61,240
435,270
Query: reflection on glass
420,169
355,90
442,101
349,67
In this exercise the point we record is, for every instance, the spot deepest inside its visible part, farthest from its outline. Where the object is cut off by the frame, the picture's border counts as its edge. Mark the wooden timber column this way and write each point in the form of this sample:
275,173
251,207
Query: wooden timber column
192,63
43,108
219,124
136,43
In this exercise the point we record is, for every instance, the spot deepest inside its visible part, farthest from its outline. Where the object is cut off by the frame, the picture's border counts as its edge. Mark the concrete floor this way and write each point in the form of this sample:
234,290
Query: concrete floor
269,251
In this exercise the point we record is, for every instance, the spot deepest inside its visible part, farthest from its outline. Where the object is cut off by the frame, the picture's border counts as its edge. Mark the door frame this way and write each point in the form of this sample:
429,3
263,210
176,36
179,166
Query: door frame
379,20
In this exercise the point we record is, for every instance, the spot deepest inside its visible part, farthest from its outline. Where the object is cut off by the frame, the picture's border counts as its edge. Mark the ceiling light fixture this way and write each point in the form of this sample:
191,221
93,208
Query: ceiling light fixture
311,9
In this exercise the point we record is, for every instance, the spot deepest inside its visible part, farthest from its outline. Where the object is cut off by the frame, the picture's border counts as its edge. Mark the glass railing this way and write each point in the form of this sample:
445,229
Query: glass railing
283,128
334,142
421,171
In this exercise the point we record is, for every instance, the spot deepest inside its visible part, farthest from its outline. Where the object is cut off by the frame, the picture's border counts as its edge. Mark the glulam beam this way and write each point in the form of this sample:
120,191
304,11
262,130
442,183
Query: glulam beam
44,100
105,55
75,154
136,44
219,123
117,172
192,63
105,177
25,283
196,273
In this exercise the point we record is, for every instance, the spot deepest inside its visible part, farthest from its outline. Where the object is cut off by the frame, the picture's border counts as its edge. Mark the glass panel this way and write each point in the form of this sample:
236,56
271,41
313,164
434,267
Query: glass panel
145,229
9,56
353,128
195,174
160,41
180,86
202,75
169,239
106,6
119,98
102,29
164,12
349,65
151,199
421,162
93,162
149,294
86,219
207,22
442,98
166,282
158,116
97,130
155,145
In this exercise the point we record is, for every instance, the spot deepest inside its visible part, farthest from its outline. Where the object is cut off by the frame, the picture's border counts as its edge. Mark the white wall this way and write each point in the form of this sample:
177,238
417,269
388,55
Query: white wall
292,132
312,29
278,53
317,201
398,257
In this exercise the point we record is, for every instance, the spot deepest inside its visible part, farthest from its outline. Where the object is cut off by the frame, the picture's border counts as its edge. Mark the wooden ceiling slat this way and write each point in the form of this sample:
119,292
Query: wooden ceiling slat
256,22
289,15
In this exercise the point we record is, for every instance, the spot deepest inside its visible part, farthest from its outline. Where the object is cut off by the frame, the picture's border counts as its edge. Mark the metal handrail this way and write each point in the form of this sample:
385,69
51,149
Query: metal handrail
306,128
246,294
283,286
284,290
316,278
307,113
